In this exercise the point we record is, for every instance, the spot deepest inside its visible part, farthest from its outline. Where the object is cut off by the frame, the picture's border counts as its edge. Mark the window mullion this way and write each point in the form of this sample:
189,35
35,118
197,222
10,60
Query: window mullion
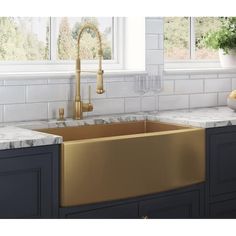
192,38
53,39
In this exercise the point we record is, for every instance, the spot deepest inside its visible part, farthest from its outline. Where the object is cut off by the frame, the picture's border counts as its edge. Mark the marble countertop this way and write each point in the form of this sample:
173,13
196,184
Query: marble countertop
21,134
14,137
201,117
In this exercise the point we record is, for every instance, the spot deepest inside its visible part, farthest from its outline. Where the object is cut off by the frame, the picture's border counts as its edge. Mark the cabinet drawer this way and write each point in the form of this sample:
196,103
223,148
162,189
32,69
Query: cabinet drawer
178,206
223,210
126,211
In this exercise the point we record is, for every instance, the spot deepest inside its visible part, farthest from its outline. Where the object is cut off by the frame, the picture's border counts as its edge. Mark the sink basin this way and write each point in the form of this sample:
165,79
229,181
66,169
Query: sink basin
110,130
122,160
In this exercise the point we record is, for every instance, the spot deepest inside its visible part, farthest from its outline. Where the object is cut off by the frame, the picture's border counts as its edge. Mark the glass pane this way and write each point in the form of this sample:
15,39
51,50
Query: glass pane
176,38
202,26
67,33
24,38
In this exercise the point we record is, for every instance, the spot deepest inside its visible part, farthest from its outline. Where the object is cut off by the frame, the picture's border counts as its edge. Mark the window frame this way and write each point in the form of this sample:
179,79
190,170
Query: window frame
191,63
117,63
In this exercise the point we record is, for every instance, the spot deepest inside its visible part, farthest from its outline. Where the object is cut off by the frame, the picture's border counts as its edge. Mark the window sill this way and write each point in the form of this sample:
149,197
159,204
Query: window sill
65,74
200,71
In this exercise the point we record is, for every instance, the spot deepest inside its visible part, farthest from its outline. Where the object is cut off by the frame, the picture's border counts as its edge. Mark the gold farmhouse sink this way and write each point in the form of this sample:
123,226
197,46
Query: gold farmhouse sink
122,160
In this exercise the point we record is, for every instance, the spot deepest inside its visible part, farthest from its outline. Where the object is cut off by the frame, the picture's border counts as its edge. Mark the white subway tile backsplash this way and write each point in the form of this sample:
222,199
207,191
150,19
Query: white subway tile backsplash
167,88
152,42
25,81
12,94
132,104
161,41
233,84
161,69
217,85
68,80
222,98
154,26
1,113
154,57
203,100
233,75
175,77
188,86
120,89
109,79
148,103
173,102
52,92
24,112
107,106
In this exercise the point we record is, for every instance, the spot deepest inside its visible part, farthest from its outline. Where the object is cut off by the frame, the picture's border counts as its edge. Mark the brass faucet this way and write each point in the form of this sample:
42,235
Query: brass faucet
81,106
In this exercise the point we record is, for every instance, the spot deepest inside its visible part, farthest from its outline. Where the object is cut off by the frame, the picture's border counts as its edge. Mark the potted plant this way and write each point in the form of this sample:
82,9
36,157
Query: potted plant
225,41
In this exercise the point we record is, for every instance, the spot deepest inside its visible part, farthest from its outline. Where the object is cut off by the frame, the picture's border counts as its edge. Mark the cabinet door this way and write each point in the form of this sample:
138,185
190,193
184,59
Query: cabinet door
125,211
176,206
223,210
29,182
222,164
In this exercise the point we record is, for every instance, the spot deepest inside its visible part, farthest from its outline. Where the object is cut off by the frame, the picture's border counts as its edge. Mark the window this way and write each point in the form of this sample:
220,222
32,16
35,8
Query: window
24,38
49,39
183,38
67,30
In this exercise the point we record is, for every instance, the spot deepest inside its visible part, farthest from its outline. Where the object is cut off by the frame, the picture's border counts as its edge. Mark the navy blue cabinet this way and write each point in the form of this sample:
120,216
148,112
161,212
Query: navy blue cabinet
29,182
123,211
175,206
223,209
184,203
221,172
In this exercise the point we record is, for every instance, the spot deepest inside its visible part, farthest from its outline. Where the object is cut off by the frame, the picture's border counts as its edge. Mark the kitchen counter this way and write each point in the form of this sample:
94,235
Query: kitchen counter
203,117
20,134
200,117
14,137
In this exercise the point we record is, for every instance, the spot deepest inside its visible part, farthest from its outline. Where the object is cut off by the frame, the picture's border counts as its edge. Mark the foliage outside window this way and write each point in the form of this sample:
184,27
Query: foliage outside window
225,37
67,34
184,38
52,39
21,40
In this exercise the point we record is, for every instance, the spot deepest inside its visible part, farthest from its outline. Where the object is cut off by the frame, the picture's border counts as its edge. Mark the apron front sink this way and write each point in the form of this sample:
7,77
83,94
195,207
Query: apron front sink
123,160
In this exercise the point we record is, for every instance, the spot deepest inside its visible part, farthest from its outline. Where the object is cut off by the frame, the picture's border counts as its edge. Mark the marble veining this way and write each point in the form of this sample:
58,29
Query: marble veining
202,117
20,134
15,137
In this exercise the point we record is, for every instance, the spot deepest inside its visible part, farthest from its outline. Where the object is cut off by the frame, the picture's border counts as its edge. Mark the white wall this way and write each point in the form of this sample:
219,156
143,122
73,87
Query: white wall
34,99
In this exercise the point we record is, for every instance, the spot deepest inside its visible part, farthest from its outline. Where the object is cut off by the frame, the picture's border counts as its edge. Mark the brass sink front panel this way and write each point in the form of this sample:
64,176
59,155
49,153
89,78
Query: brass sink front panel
112,168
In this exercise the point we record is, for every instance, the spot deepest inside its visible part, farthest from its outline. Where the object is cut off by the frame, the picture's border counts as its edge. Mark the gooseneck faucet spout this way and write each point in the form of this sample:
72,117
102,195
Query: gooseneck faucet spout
80,106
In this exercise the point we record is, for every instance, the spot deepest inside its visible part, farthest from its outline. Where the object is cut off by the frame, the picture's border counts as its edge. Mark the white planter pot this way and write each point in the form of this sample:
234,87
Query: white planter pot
228,60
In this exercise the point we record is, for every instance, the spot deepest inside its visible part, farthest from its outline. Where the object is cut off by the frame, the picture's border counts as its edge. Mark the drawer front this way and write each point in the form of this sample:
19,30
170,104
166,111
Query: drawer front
223,210
178,206
126,211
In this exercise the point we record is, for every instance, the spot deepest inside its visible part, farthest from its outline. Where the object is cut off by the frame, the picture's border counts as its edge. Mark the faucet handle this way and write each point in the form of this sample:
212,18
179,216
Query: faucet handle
89,104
